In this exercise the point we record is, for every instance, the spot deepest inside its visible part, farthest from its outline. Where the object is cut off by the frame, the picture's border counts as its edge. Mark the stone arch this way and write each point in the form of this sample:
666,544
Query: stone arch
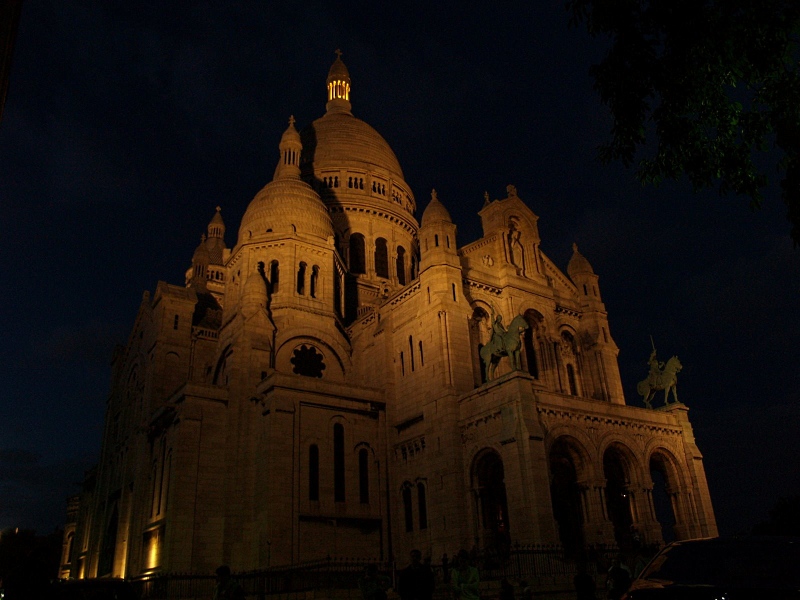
406,498
357,254
667,494
533,345
381,258
400,265
569,469
487,479
364,455
570,361
620,469
422,502
331,351
479,335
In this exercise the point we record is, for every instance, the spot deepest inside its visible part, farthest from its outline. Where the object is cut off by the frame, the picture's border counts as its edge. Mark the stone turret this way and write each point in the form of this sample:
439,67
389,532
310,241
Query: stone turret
583,276
437,236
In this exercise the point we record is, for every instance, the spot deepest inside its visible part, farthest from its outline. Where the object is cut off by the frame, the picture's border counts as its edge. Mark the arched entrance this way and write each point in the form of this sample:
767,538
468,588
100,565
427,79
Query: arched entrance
665,486
489,488
565,495
618,502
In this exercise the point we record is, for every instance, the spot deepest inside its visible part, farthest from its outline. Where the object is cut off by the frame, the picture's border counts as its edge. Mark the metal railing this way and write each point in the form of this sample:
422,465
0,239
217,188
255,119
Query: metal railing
530,563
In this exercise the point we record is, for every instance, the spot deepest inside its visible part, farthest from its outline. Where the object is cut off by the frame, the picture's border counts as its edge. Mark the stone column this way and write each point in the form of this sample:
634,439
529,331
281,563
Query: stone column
597,528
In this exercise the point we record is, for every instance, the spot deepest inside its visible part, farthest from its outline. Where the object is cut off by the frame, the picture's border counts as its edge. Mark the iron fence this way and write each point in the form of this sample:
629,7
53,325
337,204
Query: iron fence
531,563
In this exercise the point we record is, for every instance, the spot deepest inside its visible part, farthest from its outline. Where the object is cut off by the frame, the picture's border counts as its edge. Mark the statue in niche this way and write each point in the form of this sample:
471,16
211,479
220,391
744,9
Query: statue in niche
516,254
488,260
661,377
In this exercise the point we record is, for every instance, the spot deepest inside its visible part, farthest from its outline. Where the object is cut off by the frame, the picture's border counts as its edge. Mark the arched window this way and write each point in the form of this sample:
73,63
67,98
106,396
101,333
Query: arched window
401,265
313,473
363,476
573,388
411,350
274,276
528,341
479,336
68,552
314,281
338,463
301,279
381,258
357,254
175,322
422,503
407,510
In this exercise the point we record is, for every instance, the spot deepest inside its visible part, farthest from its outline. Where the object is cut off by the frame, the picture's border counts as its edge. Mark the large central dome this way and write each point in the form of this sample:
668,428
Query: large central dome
339,139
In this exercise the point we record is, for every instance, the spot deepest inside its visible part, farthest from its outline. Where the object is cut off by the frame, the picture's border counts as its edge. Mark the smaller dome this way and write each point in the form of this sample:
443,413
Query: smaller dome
338,69
287,204
201,255
435,211
578,265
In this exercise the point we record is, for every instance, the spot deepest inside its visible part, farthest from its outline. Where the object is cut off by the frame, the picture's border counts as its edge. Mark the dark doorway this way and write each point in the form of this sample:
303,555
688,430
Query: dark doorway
618,497
661,498
490,489
565,495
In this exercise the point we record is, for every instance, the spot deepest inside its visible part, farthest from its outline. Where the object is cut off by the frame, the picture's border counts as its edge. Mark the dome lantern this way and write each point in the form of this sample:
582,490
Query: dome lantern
290,149
216,227
338,84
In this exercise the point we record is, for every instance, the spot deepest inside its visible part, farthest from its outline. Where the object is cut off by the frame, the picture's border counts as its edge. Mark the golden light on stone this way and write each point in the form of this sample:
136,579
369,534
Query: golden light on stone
338,90
338,330
154,540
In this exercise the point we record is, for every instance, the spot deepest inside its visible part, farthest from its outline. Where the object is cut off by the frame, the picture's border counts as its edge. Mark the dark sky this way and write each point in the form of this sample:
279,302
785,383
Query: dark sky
126,123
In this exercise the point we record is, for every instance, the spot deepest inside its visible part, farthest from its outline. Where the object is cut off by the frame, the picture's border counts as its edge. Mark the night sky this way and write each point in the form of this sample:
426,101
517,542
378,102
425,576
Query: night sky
127,123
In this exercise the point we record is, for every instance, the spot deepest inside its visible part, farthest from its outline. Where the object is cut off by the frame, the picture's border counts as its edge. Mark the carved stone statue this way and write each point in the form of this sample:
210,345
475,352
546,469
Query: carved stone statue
516,254
661,377
504,342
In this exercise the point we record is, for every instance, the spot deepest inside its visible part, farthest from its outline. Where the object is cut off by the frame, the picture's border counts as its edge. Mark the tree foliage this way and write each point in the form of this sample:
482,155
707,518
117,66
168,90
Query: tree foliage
705,88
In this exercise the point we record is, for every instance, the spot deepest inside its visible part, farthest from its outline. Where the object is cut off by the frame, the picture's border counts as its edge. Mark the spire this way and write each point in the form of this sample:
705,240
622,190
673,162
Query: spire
290,148
338,84
216,227
578,265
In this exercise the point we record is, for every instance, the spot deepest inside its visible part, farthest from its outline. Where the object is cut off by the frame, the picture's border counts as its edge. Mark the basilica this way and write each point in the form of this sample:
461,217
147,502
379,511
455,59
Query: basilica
348,381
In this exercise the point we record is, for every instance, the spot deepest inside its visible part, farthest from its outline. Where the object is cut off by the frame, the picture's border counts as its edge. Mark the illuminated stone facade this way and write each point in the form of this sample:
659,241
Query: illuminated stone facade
316,390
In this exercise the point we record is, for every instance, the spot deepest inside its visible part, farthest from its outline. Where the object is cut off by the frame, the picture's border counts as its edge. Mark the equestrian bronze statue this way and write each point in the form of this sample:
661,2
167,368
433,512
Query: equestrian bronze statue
661,377
504,342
